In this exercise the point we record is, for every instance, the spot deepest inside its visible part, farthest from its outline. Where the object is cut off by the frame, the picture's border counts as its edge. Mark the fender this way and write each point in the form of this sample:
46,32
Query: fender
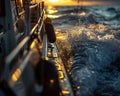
50,31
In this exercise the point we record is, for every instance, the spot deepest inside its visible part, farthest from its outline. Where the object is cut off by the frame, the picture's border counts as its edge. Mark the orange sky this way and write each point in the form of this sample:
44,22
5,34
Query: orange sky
60,2
71,2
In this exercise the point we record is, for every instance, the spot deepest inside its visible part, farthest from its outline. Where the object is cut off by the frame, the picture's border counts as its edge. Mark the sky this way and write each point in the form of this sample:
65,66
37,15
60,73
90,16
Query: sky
81,2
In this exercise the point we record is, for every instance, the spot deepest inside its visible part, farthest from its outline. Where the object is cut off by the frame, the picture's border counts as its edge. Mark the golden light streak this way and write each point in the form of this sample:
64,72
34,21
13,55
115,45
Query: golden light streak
16,75
53,1
51,10
54,16
58,67
65,92
61,76
82,14
19,3
59,2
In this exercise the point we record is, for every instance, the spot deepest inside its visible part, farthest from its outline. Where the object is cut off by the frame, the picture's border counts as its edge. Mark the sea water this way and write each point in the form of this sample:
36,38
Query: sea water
93,39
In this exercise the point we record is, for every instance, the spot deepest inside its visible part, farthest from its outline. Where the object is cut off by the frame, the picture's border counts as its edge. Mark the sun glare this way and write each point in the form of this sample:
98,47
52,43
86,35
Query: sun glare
53,1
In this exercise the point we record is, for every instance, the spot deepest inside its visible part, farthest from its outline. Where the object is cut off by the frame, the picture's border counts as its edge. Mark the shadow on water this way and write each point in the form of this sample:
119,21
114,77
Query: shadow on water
96,69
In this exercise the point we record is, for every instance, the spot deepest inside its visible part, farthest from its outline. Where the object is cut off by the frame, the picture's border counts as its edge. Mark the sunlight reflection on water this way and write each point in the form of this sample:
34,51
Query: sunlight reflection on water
91,52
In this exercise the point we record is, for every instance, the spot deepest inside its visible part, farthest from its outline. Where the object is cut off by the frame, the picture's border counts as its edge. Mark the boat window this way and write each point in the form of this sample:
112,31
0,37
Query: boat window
2,8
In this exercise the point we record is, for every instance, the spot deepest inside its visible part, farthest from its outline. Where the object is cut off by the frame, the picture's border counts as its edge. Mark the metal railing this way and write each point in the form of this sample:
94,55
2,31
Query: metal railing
13,57
45,47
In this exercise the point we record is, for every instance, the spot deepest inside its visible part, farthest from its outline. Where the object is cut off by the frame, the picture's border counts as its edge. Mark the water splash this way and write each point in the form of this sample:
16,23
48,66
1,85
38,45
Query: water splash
94,47
95,53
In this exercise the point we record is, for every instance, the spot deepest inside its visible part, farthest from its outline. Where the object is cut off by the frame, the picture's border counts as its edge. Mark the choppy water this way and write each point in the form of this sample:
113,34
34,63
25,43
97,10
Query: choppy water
94,40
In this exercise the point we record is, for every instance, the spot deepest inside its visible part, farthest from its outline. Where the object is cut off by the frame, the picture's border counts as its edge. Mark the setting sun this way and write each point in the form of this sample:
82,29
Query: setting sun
53,0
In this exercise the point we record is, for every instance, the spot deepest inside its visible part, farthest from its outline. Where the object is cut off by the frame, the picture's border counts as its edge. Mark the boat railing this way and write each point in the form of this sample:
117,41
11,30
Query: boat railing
22,13
20,72
22,52
40,20
45,47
